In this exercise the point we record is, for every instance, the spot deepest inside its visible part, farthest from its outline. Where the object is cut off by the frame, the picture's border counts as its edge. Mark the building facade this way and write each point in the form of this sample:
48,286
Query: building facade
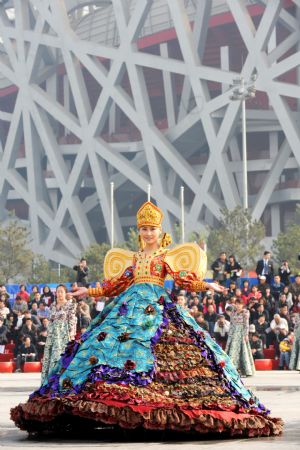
137,92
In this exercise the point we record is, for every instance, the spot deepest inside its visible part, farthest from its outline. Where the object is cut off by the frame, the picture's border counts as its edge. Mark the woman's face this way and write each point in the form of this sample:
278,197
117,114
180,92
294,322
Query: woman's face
239,306
60,293
150,235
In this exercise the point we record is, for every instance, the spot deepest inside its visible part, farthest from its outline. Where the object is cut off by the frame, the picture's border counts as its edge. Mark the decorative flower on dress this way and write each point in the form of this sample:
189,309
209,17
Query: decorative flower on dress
123,309
222,363
67,383
149,310
161,300
101,336
129,365
93,359
123,337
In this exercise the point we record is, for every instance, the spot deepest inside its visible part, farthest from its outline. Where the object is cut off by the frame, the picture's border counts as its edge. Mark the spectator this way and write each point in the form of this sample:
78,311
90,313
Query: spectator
19,305
265,267
285,349
295,287
208,300
195,301
3,332
276,287
245,288
232,288
83,314
284,313
47,296
211,318
228,312
218,267
34,290
43,311
295,308
4,292
42,338
29,329
23,293
260,311
10,322
256,345
261,327
35,320
34,309
221,330
233,270
82,272
279,323
271,305
181,300
4,310
262,285
201,321
289,297
284,272
27,352
35,299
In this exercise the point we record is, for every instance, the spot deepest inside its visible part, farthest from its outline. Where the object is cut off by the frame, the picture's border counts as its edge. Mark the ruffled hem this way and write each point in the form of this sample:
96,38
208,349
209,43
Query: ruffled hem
45,414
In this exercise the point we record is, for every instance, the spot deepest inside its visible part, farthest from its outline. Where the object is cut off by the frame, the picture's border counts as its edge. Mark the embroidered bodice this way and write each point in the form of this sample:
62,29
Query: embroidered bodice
153,268
240,319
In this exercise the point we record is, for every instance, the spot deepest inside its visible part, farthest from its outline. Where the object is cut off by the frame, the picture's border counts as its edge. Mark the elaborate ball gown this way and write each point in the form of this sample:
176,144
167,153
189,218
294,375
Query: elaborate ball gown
145,363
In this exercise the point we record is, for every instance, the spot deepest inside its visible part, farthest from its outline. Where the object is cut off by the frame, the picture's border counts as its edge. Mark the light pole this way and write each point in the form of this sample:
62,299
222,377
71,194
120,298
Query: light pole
242,91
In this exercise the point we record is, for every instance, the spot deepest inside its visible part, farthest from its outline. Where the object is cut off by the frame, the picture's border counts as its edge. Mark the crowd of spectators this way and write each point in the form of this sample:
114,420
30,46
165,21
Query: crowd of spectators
273,302
24,320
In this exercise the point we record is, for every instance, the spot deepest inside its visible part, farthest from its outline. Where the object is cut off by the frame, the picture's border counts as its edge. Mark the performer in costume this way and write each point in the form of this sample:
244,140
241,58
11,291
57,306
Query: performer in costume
61,329
145,362
238,346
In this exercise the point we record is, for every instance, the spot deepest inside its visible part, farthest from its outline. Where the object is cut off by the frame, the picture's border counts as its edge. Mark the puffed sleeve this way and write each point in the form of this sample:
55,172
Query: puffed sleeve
72,319
114,286
187,280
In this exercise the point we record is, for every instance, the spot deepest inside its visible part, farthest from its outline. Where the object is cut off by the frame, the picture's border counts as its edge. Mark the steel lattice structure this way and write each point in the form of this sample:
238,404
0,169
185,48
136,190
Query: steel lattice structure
79,110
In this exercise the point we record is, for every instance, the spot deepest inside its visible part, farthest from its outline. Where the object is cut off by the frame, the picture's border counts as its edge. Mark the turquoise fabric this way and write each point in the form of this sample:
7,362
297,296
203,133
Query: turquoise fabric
141,328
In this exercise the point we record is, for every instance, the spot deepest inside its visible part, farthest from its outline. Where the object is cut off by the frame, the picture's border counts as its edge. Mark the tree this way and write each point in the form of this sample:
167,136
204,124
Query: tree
287,246
15,255
132,242
44,271
237,234
95,255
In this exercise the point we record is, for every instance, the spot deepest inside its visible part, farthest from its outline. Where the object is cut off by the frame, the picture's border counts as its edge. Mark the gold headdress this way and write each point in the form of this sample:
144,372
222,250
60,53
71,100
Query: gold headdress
149,215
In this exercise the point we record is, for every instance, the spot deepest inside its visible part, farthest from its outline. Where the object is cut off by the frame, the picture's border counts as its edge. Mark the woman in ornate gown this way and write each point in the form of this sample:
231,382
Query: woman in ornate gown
238,346
61,329
145,362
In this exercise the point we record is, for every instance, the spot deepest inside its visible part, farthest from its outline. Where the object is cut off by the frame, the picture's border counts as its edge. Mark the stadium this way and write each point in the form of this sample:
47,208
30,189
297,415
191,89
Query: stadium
138,93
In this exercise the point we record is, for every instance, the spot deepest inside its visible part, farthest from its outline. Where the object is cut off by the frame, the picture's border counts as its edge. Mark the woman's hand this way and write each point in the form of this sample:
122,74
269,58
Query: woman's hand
216,287
80,292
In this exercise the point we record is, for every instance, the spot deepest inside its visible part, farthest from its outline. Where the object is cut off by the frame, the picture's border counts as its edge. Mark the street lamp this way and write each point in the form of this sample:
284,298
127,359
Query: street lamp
242,91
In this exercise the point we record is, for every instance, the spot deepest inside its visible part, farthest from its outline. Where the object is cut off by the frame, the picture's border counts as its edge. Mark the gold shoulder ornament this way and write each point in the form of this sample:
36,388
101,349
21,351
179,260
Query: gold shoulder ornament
116,262
188,257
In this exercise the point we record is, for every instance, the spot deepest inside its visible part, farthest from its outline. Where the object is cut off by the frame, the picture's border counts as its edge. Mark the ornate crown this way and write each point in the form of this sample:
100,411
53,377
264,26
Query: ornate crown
149,215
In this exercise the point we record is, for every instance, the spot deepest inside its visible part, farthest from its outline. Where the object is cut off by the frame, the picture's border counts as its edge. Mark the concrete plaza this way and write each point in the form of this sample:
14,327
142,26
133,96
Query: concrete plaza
280,391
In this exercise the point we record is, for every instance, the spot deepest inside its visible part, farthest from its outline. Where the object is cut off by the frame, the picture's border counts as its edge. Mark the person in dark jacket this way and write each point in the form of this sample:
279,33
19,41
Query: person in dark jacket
3,332
219,269
256,347
265,267
27,352
284,271
82,272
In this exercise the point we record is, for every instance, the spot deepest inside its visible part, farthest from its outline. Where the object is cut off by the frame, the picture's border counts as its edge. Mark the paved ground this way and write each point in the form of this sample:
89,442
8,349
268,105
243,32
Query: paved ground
280,391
